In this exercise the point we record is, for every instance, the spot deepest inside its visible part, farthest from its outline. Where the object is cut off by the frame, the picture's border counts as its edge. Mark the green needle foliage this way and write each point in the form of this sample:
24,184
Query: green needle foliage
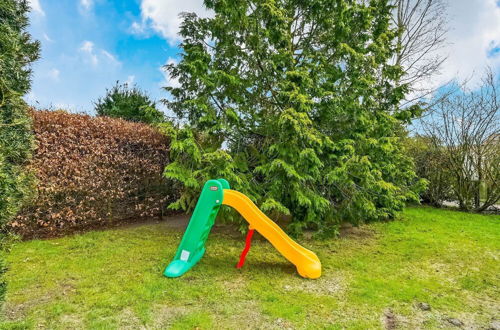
17,51
296,104
129,103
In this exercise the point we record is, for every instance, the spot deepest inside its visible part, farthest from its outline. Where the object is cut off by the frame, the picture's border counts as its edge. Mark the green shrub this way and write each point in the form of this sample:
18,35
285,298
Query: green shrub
129,103
296,104
17,52
430,164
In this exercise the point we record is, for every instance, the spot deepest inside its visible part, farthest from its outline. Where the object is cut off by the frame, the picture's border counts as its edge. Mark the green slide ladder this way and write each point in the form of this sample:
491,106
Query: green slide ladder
192,245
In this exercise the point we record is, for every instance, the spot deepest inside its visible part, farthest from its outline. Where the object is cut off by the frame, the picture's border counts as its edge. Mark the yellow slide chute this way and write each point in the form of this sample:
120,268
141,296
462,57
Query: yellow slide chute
306,261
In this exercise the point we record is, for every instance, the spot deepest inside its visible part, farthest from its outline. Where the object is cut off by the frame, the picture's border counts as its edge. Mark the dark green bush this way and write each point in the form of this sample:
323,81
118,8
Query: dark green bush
129,103
17,52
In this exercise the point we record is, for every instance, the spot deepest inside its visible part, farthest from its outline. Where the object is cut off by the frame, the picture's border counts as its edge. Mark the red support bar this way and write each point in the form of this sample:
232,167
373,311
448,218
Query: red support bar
248,241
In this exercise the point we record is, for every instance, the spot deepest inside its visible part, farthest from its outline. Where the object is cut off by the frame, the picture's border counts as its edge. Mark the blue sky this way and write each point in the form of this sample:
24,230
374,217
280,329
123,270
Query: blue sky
87,45
87,48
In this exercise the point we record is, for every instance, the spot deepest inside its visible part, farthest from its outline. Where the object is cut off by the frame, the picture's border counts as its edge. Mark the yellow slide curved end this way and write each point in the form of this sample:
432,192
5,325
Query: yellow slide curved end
306,261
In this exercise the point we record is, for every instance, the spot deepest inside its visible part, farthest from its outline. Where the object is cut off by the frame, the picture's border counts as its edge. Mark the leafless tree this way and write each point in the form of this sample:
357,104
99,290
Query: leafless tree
466,128
423,25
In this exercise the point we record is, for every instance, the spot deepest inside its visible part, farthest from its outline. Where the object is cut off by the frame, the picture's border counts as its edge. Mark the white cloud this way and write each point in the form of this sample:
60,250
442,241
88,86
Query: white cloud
169,82
64,106
171,60
86,5
87,46
87,49
47,38
95,56
36,7
54,74
31,98
163,15
130,80
111,58
138,28
475,27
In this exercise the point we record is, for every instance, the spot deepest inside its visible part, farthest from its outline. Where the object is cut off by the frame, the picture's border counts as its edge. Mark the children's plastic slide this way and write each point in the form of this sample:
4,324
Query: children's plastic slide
216,193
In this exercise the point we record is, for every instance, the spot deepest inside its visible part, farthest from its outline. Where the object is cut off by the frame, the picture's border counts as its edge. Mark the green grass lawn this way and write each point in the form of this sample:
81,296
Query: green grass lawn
373,277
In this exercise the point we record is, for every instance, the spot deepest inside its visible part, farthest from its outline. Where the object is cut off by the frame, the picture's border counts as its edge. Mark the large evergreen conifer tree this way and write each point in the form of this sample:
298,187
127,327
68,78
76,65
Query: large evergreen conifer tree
296,104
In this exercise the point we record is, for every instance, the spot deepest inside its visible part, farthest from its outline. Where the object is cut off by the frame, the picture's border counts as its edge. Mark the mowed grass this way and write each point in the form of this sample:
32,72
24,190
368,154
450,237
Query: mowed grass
375,276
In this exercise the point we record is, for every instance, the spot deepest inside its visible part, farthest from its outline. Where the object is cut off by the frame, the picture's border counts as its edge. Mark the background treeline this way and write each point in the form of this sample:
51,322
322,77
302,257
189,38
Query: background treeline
92,171
457,146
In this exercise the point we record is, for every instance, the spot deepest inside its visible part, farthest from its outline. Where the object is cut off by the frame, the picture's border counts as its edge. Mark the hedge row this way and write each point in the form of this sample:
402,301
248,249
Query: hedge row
92,172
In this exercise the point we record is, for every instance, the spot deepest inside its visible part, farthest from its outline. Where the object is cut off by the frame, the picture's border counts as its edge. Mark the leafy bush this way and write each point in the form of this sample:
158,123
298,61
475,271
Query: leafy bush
93,171
430,163
129,103
17,52
296,104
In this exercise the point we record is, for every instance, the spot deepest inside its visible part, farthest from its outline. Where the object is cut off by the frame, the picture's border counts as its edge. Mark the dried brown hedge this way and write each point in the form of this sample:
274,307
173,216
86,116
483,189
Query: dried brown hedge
92,172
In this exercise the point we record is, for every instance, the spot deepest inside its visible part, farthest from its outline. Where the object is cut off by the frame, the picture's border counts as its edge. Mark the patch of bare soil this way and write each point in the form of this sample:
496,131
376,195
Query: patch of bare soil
325,285
165,316
349,231
129,320
71,322
13,311
235,284
248,315
389,319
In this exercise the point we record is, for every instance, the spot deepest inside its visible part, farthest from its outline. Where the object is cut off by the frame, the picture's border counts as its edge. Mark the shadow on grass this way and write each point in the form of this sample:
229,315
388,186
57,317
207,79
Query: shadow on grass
215,264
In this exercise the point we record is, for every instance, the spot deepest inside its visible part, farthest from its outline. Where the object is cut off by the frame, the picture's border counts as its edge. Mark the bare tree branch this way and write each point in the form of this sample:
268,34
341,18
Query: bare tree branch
466,128
423,25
